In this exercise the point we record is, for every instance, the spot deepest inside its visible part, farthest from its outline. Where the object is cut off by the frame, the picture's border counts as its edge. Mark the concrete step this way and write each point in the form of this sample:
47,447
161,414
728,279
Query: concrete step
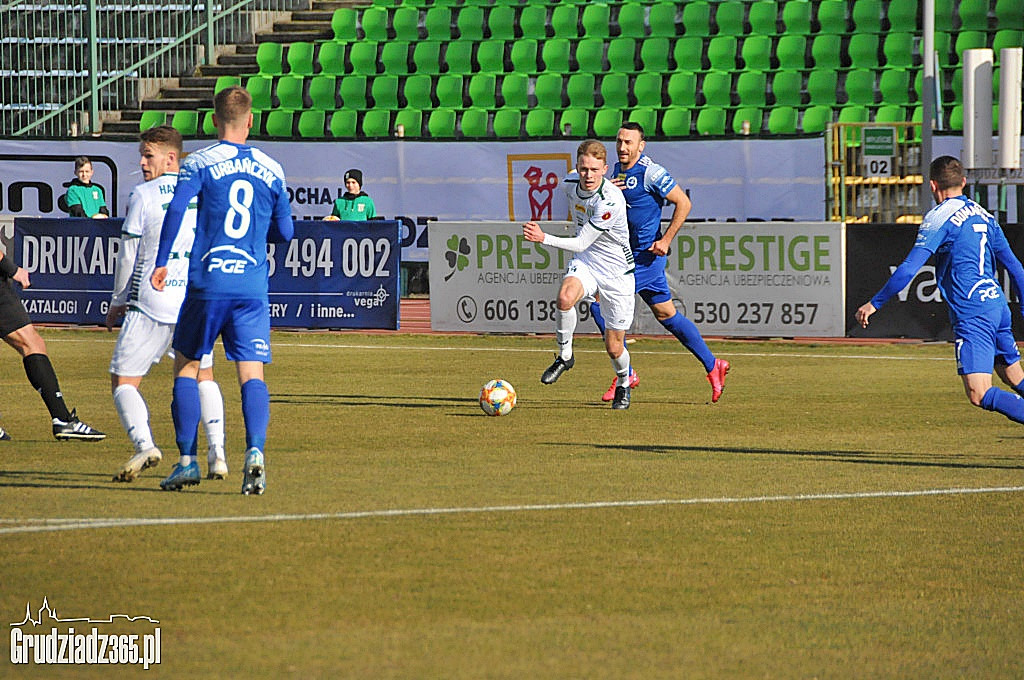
177,104
227,70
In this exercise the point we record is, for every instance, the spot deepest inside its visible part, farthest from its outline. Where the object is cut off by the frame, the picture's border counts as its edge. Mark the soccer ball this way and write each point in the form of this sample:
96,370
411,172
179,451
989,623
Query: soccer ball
497,398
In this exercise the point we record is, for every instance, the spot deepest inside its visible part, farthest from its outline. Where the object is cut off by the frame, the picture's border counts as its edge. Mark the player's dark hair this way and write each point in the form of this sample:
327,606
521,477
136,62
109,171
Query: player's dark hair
637,127
165,135
232,104
80,161
947,172
592,147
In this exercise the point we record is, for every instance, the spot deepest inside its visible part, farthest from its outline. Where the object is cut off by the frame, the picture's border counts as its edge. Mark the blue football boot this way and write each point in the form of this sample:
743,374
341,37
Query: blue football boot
181,477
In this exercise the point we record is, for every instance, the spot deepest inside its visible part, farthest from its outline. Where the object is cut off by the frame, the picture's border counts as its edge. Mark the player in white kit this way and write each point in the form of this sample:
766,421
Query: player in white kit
150,315
603,264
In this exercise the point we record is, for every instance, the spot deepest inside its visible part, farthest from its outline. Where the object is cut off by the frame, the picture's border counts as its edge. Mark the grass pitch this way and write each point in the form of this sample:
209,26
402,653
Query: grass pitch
841,512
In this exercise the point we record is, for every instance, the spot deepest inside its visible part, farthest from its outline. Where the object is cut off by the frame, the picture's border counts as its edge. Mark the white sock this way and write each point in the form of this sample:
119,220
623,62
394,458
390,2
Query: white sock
565,325
211,403
621,366
131,409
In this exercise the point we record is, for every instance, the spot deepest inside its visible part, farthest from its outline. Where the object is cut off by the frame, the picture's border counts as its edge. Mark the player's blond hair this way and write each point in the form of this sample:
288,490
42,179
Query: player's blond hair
592,147
232,104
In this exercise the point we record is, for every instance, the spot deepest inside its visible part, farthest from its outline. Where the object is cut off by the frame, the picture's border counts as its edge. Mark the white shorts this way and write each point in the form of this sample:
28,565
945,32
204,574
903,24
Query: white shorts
617,293
141,343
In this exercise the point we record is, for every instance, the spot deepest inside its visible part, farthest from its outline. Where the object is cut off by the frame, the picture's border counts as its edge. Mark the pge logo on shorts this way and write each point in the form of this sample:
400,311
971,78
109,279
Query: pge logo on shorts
260,347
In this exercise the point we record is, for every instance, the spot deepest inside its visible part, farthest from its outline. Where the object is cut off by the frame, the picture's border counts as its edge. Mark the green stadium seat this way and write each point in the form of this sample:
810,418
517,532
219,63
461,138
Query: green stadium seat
224,82
1010,14
955,82
565,21
589,55
577,120
867,16
448,90
515,90
614,91
426,57
956,118
860,87
416,92
696,19
374,22
796,17
384,90
268,58
890,113
343,123
596,20
944,13
259,88
756,52
438,23
631,20
710,121
322,91
825,51
944,48
729,18
688,53
821,87
279,123
470,23
580,90
331,58
363,57
508,123
832,17
894,86
458,57
863,50
289,93
815,119
899,50
473,123
300,58
722,53
763,18
790,52
482,90
675,122
682,90
902,16
490,56
533,21
523,56
311,124
1005,39
405,23
394,55
662,20
210,129
968,40
786,88
751,88
607,122
782,120
717,88
547,88
411,121
376,123
647,89
153,118
753,116
915,131
555,55
853,114
973,15
622,53
501,23
645,117
344,24
353,92
654,53
540,123
185,122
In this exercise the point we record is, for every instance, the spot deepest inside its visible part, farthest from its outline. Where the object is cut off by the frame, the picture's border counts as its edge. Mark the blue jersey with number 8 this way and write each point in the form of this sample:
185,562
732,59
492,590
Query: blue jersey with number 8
964,237
243,204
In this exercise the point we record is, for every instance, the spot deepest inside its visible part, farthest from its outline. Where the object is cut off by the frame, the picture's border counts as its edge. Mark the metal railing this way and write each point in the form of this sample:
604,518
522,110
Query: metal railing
64,64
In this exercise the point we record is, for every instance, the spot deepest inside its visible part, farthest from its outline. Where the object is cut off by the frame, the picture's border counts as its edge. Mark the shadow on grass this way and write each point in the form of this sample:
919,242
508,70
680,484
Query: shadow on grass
48,479
854,456
371,400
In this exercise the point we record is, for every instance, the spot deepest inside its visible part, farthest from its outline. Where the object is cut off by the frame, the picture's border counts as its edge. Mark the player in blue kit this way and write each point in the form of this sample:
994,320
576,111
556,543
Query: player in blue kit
967,243
647,186
243,205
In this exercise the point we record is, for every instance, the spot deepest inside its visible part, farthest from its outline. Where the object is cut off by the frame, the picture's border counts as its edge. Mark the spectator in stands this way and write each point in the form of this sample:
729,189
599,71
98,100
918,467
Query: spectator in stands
356,204
85,199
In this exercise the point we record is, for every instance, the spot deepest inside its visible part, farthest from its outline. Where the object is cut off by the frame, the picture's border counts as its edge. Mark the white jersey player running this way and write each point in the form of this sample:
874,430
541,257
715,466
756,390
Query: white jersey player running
150,315
603,264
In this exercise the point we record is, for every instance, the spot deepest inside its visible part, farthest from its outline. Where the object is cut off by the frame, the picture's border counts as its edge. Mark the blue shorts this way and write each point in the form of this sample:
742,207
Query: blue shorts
651,283
980,341
243,325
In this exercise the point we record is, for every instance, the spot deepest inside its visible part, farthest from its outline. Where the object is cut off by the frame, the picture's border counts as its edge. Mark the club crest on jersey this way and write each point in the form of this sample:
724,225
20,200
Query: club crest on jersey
606,216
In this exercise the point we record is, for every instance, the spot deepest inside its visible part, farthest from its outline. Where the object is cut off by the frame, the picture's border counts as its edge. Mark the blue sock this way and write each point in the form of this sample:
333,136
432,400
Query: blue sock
186,414
1019,388
1010,405
595,314
686,332
255,412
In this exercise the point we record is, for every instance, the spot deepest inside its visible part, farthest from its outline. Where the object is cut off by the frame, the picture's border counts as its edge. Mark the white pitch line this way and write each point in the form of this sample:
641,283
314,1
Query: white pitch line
39,525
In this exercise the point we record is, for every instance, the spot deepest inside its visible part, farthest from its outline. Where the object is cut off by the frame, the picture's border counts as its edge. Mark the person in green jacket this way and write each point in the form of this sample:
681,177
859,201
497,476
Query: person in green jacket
355,204
85,199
